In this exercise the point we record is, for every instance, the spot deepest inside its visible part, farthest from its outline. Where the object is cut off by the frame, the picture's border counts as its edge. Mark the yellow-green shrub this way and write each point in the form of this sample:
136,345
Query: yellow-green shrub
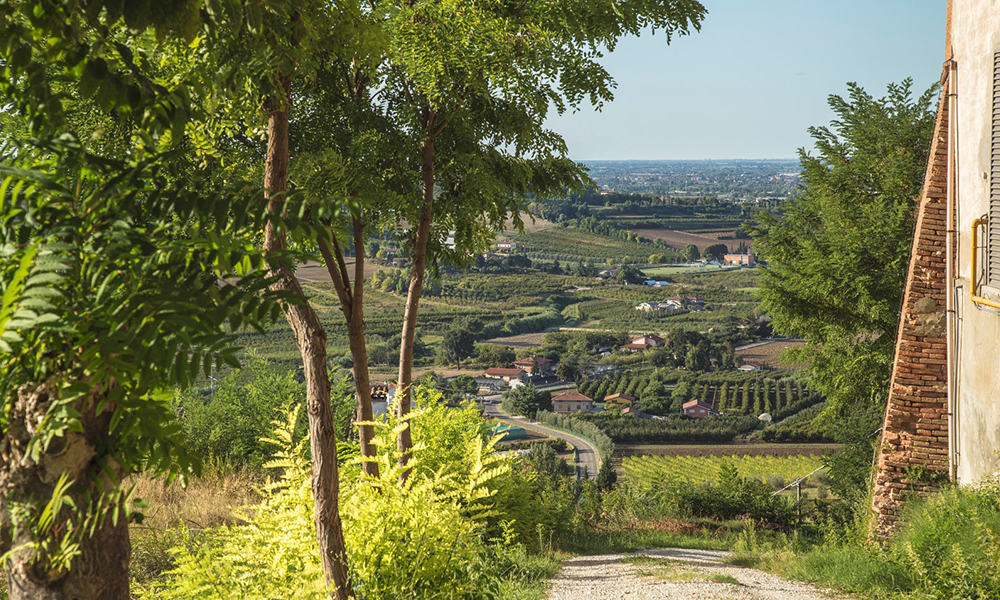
422,539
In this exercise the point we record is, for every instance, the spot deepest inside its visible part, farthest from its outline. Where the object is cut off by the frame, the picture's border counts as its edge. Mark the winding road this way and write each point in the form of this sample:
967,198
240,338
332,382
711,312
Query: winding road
587,454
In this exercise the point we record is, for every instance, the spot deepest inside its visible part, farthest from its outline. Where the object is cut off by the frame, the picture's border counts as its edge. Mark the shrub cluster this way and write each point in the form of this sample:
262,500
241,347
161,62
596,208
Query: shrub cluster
674,429
581,427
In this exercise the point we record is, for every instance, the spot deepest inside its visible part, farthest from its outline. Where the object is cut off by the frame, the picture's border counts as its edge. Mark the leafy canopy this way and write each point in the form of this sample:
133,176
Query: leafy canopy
837,253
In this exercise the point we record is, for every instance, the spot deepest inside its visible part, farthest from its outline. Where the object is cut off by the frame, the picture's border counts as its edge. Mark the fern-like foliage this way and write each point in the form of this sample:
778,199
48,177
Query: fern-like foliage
423,539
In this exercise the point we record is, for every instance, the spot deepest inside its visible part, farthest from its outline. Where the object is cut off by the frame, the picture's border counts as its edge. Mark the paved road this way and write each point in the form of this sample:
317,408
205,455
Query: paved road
587,453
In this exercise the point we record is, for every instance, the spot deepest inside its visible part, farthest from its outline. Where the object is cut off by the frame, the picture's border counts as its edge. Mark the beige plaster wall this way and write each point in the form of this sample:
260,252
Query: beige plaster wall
975,38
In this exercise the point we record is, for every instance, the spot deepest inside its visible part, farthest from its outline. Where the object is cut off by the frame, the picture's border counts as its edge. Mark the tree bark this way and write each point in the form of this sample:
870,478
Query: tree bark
100,570
404,441
352,305
311,340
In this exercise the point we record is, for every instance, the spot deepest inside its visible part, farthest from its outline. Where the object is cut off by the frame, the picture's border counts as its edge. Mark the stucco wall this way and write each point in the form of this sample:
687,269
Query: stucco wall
975,37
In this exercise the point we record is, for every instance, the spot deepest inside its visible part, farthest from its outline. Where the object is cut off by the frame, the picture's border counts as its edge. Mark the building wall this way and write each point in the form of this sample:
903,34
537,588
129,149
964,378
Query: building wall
913,457
975,38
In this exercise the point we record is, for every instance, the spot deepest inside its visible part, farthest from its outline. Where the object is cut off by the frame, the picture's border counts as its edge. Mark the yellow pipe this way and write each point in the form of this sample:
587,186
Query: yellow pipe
974,274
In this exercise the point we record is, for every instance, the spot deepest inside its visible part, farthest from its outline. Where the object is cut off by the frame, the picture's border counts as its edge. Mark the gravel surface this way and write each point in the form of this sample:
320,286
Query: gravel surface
673,573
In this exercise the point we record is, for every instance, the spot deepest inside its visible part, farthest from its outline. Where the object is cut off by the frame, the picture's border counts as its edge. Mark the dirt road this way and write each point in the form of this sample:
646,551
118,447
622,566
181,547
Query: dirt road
673,573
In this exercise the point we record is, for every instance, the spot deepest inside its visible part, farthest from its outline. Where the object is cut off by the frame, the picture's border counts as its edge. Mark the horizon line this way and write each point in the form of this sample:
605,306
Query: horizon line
677,159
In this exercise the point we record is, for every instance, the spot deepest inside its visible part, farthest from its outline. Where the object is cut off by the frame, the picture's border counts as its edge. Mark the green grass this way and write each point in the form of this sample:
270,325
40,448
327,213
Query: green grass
661,271
631,539
530,579
652,470
668,569
948,546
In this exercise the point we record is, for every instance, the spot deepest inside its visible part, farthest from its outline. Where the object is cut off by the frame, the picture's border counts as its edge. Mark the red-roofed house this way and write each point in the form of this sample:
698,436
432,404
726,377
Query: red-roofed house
534,365
504,373
698,409
619,399
572,401
643,342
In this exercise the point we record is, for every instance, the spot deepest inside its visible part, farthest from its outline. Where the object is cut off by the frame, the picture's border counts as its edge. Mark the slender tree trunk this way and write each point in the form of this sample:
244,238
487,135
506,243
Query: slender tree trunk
352,305
311,339
100,570
403,391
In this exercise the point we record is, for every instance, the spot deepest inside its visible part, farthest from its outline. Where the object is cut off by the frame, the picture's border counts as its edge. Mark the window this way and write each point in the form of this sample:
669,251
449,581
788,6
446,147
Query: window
993,224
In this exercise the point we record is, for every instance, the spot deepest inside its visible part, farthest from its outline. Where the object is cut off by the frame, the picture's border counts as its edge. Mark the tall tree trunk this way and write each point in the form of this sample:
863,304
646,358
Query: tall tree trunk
311,339
100,570
352,305
403,391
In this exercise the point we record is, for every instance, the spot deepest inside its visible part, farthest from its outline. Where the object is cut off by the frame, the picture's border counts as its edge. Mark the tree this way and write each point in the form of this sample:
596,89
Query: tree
526,400
465,384
606,475
837,252
472,83
569,368
716,252
631,274
680,395
111,254
659,357
691,253
492,355
697,357
457,344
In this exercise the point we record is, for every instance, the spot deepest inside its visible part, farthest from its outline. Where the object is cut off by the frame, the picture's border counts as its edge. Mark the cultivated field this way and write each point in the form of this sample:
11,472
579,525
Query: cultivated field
679,239
704,450
701,268
652,471
769,354
314,272
523,340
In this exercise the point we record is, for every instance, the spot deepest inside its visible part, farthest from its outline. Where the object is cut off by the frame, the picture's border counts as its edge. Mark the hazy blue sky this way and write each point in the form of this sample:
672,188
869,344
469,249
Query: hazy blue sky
756,76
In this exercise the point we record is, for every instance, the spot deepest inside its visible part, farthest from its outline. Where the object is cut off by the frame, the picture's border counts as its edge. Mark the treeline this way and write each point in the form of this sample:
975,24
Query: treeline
800,427
671,430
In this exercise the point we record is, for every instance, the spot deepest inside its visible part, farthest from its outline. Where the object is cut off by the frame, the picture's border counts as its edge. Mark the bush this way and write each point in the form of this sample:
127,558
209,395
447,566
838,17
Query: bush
604,444
448,532
733,496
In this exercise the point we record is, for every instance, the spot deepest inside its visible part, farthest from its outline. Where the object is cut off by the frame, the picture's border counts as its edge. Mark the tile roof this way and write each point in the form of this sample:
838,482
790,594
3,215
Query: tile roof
570,396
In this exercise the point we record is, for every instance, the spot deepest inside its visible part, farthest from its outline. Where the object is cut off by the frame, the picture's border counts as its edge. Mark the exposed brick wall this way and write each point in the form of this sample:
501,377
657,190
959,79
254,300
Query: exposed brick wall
914,453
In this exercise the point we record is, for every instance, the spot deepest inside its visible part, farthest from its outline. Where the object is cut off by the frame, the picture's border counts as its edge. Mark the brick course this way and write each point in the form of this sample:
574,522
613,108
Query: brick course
915,430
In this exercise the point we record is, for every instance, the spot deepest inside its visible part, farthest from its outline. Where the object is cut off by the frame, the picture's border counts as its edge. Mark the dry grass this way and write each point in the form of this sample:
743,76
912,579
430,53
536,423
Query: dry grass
207,501
529,226
177,515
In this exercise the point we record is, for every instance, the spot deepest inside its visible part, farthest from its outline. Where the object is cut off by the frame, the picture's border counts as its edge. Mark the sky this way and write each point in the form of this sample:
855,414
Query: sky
757,75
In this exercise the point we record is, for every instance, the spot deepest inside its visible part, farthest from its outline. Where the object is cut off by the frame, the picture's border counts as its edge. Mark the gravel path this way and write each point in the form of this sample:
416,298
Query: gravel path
672,573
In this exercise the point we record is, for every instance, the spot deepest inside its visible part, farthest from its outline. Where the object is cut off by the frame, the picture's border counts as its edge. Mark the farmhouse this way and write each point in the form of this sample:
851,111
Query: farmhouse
698,409
505,374
506,247
654,306
535,365
632,411
619,399
643,342
943,414
747,260
572,401
490,385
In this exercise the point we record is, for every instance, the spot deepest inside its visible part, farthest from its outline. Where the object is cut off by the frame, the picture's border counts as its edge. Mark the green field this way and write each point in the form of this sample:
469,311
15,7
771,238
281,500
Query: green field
654,470
666,271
